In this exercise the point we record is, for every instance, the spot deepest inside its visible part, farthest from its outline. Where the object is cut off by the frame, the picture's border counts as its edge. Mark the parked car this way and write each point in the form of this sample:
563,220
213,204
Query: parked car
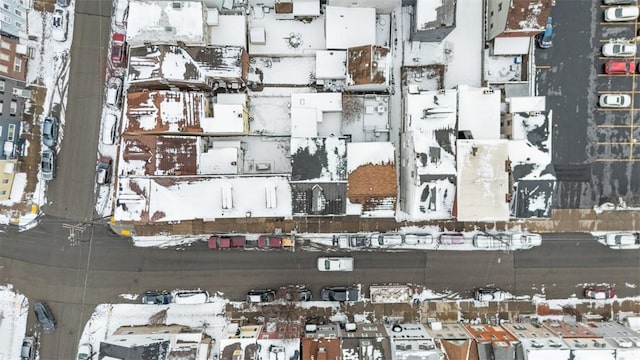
48,164
103,170
619,49
335,264
543,39
85,352
387,239
63,3
44,317
109,128
492,241
488,294
226,242
622,240
619,67
114,91
269,241
620,2
28,349
50,131
340,293
621,13
60,24
190,296
599,292
451,239
359,241
414,239
118,48
261,296
156,297
614,101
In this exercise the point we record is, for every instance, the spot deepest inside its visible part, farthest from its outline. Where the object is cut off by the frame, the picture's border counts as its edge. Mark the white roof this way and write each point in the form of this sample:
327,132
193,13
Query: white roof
306,7
188,199
375,153
350,26
230,30
426,12
511,45
218,161
227,119
231,98
479,112
331,64
286,37
483,182
527,103
307,110
159,22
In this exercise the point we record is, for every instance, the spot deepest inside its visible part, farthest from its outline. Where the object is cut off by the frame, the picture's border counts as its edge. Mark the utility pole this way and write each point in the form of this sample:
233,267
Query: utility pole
74,231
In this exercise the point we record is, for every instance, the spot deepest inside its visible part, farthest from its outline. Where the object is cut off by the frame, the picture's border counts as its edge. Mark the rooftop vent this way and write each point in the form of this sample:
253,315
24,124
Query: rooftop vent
176,5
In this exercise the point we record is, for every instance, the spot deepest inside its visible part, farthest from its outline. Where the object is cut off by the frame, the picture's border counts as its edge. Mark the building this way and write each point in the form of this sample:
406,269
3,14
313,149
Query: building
7,175
411,341
511,25
494,342
368,68
537,343
624,339
365,341
168,67
321,342
347,27
454,339
13,20
432,21
297,9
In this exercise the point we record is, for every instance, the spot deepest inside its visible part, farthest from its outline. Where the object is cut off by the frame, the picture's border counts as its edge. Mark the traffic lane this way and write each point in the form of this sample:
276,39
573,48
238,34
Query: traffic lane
579,254
560,283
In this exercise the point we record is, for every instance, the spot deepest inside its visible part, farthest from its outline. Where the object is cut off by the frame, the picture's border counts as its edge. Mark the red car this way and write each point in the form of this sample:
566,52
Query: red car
226,242
118,48
599,292
268,241
619,67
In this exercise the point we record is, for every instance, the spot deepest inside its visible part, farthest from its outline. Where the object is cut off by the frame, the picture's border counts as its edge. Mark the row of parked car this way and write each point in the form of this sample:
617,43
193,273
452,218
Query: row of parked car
594,292
513,241
218,242
301,293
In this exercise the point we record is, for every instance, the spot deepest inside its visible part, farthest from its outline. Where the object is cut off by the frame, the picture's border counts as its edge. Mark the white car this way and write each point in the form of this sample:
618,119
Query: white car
622,240
621,13
60,24
615,100
335,264
619,49
85,351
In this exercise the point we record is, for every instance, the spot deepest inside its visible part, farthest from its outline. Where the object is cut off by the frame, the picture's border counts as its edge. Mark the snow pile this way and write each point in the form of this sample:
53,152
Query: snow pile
14,308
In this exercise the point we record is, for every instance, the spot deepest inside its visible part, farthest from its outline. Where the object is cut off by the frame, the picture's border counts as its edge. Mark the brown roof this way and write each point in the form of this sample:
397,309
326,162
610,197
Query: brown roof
527,15
143,105
164,155
460,350
370,185
311,349
367,64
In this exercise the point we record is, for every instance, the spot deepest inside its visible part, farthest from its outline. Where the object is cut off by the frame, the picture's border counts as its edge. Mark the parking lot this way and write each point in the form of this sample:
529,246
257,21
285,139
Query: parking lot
595,153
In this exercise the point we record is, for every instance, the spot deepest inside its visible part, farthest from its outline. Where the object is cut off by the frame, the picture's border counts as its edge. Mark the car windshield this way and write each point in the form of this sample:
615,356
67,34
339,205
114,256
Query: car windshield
327,264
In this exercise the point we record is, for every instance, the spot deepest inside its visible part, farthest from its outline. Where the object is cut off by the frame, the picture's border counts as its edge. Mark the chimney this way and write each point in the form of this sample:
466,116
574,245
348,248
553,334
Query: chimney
322,354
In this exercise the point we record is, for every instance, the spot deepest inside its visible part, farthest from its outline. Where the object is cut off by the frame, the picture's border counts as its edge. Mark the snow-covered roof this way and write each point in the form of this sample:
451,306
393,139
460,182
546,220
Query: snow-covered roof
270,36
479,112
331,64
164,111
186,65
166,22
368,68
319,159
530,149
369,153
227,30
373,187
526,104
511,45
483,180
158,155
411,341
221,159
307,110
431,125
350,26
176,199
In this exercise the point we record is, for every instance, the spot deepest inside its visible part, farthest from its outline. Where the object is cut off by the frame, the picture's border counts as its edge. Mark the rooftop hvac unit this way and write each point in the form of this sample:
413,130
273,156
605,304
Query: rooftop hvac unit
176,5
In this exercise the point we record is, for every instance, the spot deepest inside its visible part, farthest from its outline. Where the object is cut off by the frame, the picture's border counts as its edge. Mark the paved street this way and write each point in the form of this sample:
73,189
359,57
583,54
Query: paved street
594,151
44,265
71,194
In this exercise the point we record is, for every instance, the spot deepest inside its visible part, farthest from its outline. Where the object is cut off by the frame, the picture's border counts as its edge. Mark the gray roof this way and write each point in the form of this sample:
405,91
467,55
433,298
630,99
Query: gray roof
316,198
155,351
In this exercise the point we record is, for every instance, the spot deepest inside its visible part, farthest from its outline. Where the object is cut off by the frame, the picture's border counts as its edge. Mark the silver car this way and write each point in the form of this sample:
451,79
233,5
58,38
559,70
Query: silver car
50,131
614,101
48,163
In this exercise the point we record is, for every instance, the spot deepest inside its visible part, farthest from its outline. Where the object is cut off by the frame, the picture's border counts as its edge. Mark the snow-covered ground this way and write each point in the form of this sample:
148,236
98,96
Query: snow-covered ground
14,308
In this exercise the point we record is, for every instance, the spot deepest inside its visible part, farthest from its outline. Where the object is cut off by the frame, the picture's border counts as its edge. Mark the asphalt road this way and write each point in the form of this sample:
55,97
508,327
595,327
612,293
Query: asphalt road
71,194
44,265
594,151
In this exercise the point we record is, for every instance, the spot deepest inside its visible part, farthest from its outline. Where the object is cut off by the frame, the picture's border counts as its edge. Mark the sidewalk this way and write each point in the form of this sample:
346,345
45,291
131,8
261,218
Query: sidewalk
562,220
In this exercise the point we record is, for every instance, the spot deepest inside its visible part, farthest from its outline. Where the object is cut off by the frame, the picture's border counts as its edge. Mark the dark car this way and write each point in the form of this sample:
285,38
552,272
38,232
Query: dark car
156,297
118,48
44,317
50,131
340,293
543,39
620,67
261,296
599,292
359,240
28,350
269,241
103,170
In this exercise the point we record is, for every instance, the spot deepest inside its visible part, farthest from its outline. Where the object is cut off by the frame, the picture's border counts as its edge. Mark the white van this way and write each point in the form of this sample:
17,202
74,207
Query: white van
190,296
109,128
